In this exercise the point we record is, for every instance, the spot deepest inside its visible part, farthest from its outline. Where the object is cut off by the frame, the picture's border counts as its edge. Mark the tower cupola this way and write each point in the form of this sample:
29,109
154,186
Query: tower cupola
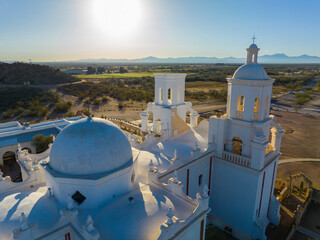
252,52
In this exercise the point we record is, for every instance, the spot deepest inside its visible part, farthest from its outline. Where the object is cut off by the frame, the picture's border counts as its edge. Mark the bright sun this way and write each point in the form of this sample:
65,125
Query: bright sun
117,19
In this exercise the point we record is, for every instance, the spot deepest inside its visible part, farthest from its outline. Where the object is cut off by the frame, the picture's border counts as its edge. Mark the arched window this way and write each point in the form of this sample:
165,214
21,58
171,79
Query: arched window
256,105
169,95
256,109
160,95
188,117
266,107
133,176
240,103
158,127
237,145
11,167
240,107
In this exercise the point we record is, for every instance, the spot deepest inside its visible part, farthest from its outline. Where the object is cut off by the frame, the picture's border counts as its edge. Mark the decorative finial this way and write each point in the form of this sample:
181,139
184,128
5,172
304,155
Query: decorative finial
196,144
253,38
151,166
19,147
175,154
175,176
205,191
170,215
70,202
89,223
23,221
50,192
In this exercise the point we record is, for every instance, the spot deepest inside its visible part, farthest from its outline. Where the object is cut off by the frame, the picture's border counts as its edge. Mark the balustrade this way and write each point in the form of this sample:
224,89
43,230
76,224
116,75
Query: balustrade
236,158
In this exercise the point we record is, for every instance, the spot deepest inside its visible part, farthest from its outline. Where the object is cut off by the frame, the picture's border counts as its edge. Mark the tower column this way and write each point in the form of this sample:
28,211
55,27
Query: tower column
276,139
194,119
144,122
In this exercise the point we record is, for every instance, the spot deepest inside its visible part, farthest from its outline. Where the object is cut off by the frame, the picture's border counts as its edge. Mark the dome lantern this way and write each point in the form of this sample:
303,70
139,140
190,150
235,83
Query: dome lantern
252,52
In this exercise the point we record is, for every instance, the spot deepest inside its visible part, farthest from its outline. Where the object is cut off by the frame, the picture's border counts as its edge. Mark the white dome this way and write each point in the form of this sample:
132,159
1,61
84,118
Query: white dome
253,46
90,146
251,71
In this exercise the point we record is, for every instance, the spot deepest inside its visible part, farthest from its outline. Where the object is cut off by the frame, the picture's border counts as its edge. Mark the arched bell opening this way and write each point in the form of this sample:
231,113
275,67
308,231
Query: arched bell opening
11,167
237,145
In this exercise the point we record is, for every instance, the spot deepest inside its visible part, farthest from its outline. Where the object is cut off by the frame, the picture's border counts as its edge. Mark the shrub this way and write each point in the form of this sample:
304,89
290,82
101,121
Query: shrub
86,112
8,114
69,114
302,98
105,99
62,107
96,102
41,142
120,105
43,112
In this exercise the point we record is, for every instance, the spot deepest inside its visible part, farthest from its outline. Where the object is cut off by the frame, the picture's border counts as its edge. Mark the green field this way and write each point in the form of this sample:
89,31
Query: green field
116,75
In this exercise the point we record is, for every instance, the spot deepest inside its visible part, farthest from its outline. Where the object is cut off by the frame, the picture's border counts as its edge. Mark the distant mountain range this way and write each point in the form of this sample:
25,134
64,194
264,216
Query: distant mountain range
275,58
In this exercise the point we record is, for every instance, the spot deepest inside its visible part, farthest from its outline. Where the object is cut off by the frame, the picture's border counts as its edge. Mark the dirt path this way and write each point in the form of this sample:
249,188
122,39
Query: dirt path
302,138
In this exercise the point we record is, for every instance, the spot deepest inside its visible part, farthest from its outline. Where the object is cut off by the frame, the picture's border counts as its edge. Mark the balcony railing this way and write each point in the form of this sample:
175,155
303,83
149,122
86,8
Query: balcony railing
236,158
239,115
255,116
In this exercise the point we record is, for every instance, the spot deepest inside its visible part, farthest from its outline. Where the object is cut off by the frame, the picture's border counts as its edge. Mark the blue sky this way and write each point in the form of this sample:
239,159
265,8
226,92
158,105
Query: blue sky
54,30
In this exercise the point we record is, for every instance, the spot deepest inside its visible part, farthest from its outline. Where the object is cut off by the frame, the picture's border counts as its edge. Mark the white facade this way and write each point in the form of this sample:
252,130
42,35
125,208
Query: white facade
118,201
162,188
246,142
169,108
239,162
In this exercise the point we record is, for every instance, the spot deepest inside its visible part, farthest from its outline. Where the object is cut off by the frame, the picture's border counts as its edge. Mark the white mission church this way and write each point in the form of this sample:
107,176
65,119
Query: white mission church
94,182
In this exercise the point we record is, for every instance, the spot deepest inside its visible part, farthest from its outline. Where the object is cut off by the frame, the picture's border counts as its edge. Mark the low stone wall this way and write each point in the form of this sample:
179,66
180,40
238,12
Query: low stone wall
316,195
14,148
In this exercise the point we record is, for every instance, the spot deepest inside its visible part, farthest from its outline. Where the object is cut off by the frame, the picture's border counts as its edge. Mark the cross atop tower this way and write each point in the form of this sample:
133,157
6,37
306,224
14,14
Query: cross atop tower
253,38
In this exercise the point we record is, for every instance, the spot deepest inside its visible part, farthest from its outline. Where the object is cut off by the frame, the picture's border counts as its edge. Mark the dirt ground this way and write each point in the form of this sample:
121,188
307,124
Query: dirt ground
204,86
132,109
311,219
130,112
310,169
302,137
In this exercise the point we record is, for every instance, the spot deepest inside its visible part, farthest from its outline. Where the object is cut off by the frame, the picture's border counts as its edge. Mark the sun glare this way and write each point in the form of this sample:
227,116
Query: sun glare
117,19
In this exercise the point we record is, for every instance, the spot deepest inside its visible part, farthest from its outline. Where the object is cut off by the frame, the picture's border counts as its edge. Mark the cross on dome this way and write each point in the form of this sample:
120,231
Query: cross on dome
253,38
252,52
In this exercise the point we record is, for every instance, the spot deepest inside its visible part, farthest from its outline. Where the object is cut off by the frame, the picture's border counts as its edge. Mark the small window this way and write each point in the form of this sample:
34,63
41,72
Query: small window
169,95
200,180
256,105
67,236
78,197
133,176
160,95
241,103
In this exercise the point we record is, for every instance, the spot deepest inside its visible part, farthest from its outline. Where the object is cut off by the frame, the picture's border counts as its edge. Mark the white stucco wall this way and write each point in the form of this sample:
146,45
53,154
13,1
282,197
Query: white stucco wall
233,196
96,191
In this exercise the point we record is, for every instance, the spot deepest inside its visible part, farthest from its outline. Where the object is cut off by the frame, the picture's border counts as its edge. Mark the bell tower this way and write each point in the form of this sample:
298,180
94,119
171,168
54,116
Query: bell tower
169,110
246,141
